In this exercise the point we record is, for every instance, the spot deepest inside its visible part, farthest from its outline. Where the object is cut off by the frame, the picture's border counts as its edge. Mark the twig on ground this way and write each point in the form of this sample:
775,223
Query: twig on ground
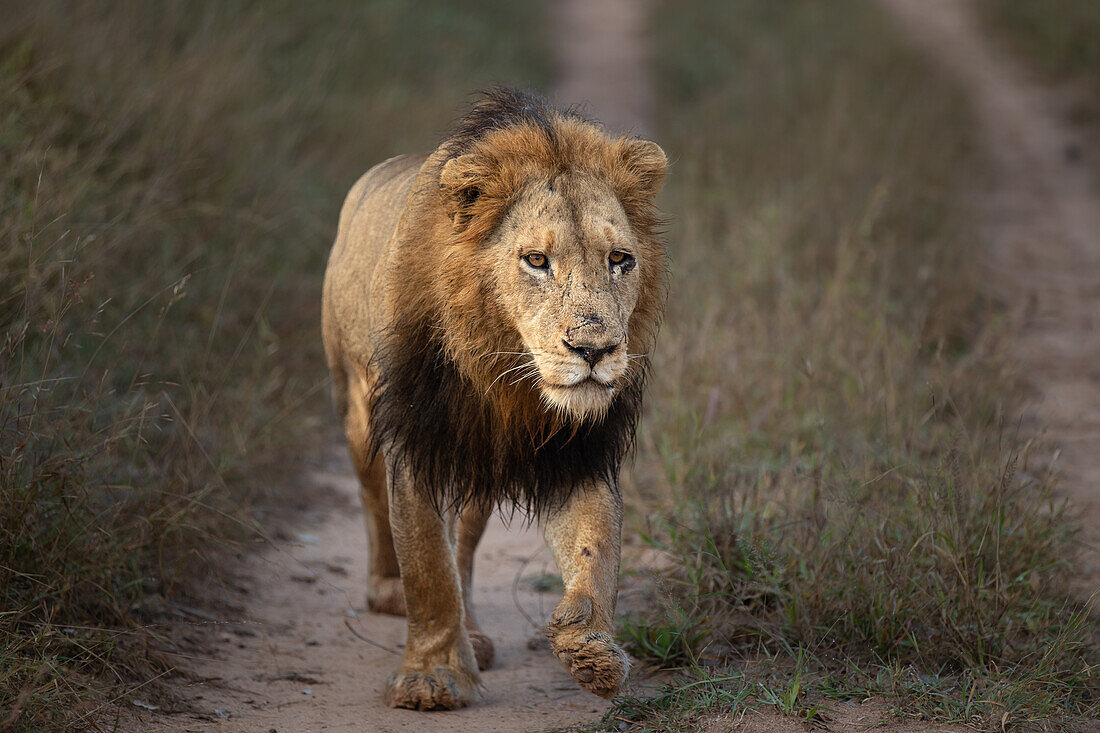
359,636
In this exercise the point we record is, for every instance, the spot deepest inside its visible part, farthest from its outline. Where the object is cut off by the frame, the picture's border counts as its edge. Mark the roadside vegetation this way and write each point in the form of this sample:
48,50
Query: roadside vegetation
171,177
1060,37
830,462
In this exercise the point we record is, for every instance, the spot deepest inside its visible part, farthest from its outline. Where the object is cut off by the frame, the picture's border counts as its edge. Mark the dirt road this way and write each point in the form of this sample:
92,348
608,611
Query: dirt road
602,62
1042,217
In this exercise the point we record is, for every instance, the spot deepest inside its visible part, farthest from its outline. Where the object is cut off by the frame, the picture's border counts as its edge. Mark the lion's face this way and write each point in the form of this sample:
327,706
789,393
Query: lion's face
568,270
553,262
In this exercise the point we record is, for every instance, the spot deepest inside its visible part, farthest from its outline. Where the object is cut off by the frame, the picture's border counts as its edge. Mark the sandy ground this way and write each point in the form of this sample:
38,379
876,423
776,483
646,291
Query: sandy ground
307,657
1042,218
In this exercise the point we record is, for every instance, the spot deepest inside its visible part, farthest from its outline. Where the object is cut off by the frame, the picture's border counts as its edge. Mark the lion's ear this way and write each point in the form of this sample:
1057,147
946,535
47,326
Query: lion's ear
646,163
460,184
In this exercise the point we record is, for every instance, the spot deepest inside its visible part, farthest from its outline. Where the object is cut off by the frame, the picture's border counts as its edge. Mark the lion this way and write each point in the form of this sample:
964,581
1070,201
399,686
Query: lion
488,310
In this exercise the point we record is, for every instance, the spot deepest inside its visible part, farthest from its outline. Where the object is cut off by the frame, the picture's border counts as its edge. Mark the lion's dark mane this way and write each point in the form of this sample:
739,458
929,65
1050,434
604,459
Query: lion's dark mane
434,424
499,108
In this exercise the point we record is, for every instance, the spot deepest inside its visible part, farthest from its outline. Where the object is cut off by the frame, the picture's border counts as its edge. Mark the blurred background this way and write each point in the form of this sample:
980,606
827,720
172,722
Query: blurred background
833,456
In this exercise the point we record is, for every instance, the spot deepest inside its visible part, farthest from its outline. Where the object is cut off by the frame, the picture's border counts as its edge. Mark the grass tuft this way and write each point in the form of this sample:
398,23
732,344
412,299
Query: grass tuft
668,643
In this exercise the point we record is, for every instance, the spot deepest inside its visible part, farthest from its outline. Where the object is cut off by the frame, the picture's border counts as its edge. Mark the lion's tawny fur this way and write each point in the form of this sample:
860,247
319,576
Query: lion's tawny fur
465,375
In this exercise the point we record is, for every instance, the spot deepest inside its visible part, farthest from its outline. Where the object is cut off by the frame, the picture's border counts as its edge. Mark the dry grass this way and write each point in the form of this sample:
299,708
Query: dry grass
1061,37
830,437
171,177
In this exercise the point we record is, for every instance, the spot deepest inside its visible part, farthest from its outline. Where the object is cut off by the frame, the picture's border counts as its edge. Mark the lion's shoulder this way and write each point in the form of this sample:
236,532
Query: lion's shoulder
389,181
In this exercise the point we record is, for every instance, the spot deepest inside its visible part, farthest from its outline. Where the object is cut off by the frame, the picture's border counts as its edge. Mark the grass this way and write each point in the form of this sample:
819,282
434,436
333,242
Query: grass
171,177
830,445
1061,37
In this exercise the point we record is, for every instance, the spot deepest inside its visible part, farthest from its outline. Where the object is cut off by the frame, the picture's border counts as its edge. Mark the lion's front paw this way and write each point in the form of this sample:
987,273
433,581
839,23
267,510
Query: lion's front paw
591,656
440,689
593,659
386,595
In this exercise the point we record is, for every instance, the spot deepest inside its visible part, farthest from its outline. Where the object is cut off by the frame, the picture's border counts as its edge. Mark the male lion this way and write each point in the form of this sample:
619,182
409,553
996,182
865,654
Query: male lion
488,309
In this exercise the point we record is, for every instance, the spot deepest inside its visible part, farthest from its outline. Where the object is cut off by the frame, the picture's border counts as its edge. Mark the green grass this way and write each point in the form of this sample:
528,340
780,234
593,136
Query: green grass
683,701
831,440
668,642
170,179
1061,37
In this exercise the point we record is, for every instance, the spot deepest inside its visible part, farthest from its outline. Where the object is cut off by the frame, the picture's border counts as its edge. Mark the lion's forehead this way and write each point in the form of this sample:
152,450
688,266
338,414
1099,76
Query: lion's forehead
571,217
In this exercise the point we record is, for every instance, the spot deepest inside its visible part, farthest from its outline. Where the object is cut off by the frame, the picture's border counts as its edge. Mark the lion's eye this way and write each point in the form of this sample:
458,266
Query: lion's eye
536,260
618,257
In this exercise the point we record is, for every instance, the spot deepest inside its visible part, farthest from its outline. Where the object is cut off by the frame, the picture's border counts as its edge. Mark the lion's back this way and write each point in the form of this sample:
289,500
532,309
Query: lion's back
368,221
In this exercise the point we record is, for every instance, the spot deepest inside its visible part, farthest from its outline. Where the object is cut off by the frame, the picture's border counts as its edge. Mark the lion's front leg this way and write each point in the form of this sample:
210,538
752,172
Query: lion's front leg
584,536
439,670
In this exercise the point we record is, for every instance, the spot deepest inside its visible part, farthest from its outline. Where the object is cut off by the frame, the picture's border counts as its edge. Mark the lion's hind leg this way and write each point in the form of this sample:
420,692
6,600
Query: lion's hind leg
471,526
384,592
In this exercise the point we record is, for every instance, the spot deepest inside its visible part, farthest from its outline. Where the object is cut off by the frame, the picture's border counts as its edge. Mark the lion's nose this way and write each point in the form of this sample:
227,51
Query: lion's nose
591,354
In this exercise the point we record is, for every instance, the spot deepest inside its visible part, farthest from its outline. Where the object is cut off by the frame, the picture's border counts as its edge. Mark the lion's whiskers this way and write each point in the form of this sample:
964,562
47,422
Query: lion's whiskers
524,365
534,372
532,352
